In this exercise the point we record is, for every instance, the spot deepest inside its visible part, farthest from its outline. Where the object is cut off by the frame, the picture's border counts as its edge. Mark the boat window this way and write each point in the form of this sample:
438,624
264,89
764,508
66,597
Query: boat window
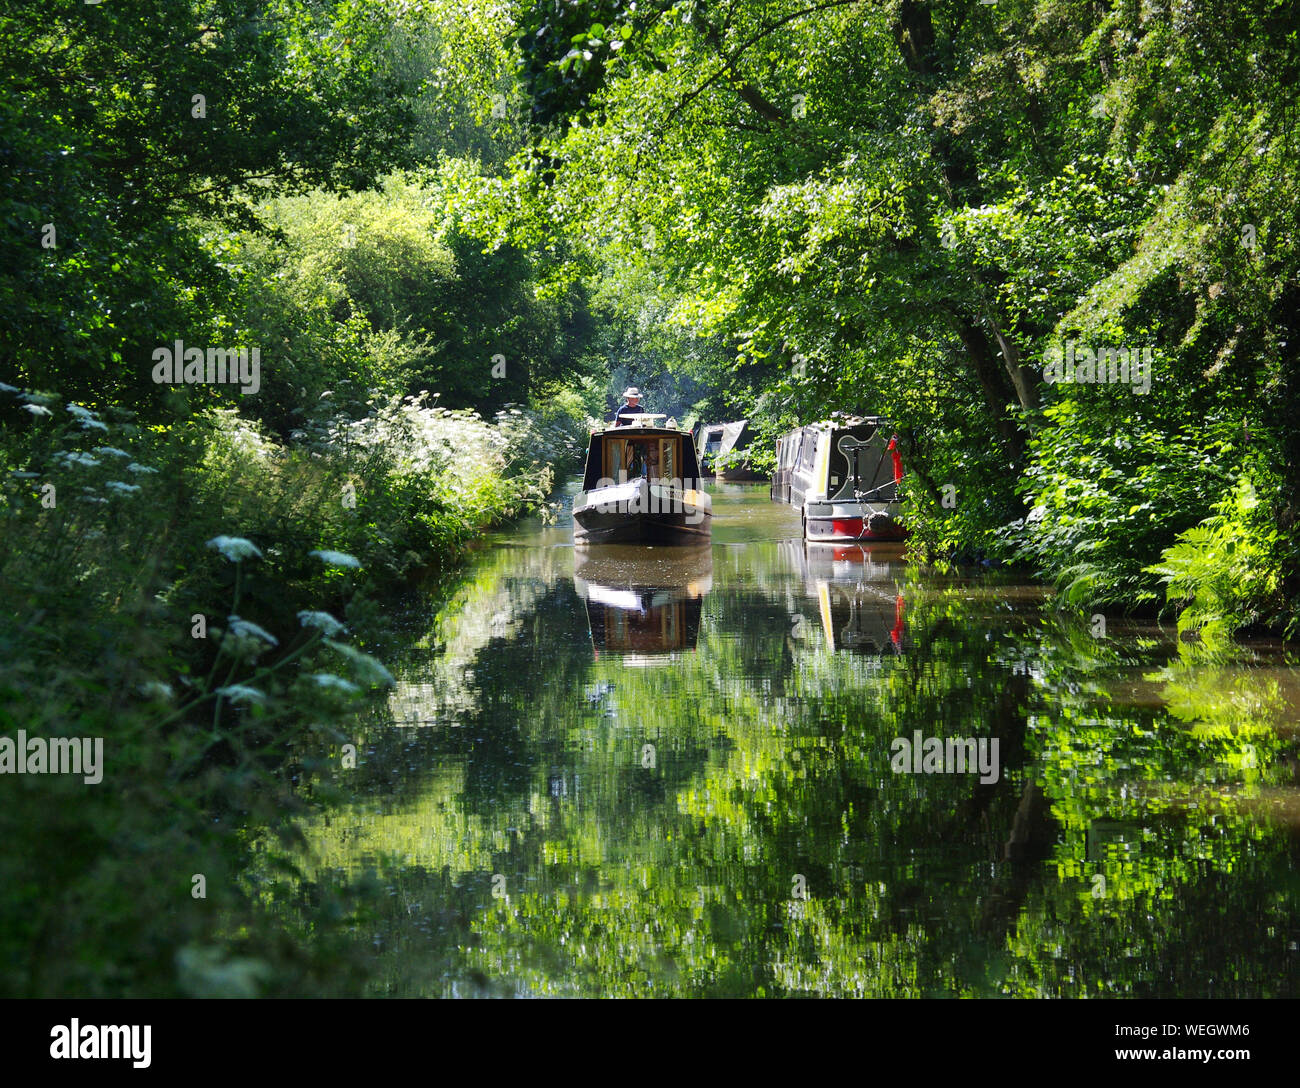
629,458
808,450
614,451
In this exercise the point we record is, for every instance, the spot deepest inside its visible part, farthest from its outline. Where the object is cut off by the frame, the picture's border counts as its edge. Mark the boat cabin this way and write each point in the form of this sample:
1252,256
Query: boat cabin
787,456
621,454
641,485
710,443
725,443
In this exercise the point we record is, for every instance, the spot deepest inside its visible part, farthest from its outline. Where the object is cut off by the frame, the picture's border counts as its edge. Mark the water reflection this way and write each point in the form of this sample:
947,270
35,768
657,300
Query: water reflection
546,820
859,593
642,602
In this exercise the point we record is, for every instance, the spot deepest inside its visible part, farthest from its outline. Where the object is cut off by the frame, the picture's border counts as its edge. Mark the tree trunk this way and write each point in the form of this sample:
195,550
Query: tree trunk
1001,377
995,383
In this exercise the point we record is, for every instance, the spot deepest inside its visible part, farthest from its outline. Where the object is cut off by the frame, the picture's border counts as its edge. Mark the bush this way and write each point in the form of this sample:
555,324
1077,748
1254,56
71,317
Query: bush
200,597
1223,571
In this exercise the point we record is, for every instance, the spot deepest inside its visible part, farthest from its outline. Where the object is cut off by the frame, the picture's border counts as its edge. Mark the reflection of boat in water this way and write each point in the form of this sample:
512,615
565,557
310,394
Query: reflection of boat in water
643,602
857,588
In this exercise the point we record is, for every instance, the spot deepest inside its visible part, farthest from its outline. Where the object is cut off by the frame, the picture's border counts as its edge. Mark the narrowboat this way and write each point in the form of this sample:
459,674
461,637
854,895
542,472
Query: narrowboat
643,604
721,451
641,485
843,477
787,455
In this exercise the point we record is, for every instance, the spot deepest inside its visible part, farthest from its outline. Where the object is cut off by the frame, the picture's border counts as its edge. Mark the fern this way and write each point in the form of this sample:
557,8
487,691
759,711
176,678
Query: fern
1221,571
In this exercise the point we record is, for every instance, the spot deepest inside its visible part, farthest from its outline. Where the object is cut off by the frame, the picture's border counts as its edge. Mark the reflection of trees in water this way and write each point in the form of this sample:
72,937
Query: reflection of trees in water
770,760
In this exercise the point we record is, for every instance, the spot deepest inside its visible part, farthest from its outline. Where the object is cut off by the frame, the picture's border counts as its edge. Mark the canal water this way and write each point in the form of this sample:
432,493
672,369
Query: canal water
690,772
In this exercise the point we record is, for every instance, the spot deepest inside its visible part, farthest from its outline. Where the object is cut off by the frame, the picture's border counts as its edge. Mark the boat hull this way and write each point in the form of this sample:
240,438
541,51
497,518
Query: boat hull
639,512
845,523
743,475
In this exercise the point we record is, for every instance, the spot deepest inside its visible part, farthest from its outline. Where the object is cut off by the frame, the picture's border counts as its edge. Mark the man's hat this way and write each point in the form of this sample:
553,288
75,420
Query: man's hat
631,391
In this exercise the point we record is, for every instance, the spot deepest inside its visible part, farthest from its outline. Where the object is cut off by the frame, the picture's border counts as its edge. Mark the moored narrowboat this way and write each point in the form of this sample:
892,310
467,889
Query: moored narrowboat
843,477
721,451
641,485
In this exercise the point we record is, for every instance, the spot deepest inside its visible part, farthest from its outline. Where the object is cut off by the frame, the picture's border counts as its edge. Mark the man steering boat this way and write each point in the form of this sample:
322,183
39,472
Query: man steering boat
628,412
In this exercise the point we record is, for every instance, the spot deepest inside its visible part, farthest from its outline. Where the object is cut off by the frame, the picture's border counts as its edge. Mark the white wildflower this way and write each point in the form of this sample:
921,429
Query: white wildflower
93,425
156,689
80,412
328,680
366,668
337,559
133,467
128,489
241,693
83,459
37,409
5,388
246,629
235,548
322,621
111,451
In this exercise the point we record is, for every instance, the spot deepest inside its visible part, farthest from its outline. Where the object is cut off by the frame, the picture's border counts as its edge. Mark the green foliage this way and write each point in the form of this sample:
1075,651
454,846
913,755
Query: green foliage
174,590
1223,571
292,96
1109,492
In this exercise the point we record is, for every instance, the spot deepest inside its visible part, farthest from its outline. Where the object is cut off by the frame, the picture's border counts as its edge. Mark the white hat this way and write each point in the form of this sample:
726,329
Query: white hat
631,391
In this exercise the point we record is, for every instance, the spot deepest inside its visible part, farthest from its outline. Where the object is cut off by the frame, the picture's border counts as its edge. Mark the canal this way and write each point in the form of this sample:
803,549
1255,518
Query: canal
762,768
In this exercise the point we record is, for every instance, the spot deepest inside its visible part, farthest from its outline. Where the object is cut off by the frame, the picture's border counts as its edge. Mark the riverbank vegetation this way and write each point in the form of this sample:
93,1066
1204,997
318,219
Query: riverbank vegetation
196,570
202,597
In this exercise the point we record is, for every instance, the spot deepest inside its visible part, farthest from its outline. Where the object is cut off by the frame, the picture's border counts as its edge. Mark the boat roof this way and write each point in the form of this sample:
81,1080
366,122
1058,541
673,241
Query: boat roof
634,428
845,423
842,423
